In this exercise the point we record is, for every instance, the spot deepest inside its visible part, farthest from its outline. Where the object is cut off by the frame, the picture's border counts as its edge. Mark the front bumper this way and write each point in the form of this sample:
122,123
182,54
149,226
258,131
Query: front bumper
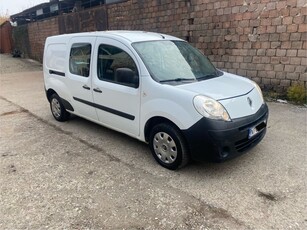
220,140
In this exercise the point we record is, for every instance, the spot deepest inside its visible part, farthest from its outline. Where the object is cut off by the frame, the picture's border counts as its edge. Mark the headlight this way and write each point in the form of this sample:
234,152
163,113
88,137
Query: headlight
210,108
259,91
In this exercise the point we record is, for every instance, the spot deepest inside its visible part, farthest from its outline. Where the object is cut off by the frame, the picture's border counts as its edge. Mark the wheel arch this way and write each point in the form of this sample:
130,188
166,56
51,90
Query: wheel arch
49,93
154,121
67,105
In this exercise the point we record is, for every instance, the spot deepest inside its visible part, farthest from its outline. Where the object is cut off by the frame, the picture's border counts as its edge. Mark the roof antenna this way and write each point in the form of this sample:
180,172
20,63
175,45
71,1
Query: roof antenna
162,36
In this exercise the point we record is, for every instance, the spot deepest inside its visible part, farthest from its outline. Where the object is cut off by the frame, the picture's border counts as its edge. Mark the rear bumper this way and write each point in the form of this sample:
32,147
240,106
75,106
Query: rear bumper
220,140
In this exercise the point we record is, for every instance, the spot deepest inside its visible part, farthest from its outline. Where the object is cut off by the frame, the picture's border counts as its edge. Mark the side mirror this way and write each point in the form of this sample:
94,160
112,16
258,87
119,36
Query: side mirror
126,76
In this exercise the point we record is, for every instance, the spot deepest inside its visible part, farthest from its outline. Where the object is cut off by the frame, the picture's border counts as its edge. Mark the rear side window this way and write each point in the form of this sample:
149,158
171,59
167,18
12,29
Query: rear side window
110,60
80,59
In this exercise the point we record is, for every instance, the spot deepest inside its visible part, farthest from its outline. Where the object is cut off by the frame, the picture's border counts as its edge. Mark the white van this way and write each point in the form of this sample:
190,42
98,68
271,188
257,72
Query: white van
156,88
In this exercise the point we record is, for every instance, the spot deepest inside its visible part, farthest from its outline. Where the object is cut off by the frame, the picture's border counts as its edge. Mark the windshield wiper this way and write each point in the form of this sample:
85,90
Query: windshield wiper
178,79
217,73
208,76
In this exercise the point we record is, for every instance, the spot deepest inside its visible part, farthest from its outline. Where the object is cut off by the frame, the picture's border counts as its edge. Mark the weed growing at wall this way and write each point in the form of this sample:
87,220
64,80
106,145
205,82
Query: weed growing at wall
297,93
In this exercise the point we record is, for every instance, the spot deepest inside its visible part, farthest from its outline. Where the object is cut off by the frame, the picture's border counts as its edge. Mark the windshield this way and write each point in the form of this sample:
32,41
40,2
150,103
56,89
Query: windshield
175,61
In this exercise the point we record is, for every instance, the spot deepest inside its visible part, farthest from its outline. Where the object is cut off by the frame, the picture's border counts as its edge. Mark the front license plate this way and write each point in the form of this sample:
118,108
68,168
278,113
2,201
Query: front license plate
256,129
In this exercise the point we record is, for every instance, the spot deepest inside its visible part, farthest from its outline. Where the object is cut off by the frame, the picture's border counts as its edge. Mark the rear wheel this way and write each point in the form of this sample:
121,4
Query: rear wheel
168,146
57,109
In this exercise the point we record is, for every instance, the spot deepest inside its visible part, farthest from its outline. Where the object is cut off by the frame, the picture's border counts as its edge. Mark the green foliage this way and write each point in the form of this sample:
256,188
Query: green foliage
297,93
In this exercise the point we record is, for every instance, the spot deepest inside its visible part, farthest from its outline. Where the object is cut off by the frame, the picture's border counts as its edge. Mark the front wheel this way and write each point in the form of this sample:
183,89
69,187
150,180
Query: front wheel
57,109
168,146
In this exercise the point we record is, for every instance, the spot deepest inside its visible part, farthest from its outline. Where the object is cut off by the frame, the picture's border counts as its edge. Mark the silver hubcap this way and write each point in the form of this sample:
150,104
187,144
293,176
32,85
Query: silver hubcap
165,147
56,107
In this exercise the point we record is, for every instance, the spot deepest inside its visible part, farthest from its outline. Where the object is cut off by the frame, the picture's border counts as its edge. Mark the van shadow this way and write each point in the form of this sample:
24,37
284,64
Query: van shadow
127,149
102,135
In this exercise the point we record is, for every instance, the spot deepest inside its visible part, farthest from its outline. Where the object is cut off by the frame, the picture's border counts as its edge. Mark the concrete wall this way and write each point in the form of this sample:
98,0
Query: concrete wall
264,40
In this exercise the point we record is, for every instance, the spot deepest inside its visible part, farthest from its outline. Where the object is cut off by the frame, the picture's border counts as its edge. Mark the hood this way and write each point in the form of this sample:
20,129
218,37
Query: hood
223,87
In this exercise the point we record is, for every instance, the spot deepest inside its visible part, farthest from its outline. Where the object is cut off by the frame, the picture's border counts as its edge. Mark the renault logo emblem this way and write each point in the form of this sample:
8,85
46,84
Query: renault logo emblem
250,102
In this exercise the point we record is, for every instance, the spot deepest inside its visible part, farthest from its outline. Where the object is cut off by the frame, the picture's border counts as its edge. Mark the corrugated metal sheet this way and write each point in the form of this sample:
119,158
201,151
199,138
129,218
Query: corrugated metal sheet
6,37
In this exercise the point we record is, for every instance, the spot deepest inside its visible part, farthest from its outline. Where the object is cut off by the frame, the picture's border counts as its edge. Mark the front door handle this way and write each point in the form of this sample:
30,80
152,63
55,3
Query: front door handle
97,90
86,87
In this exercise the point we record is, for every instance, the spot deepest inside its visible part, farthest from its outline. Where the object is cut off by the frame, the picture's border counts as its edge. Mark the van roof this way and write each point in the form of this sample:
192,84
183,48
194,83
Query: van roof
124,35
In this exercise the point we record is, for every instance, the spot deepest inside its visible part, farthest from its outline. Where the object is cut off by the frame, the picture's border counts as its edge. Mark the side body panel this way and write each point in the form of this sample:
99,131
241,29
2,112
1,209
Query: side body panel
167,101
54,65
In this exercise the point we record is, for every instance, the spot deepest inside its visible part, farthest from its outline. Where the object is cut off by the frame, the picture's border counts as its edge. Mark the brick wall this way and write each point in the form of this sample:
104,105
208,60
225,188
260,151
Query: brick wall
264,40
87,20
38,31
171,17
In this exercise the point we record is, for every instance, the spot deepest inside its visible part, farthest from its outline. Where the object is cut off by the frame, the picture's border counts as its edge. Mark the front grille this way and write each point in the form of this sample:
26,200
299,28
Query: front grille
253,123
246,143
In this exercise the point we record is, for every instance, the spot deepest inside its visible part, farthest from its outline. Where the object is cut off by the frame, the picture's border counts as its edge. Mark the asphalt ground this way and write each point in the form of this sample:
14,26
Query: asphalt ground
78,175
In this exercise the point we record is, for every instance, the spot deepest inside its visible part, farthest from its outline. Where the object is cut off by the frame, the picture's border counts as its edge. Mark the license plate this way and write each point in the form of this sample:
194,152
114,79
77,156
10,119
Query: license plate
256,129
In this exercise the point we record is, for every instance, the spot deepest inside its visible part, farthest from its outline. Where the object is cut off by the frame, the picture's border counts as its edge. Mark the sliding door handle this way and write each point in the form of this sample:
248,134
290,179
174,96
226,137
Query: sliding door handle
86,87
97,90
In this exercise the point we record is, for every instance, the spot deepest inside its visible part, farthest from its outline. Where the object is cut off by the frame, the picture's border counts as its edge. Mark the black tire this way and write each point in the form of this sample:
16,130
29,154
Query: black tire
57,109
168,146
